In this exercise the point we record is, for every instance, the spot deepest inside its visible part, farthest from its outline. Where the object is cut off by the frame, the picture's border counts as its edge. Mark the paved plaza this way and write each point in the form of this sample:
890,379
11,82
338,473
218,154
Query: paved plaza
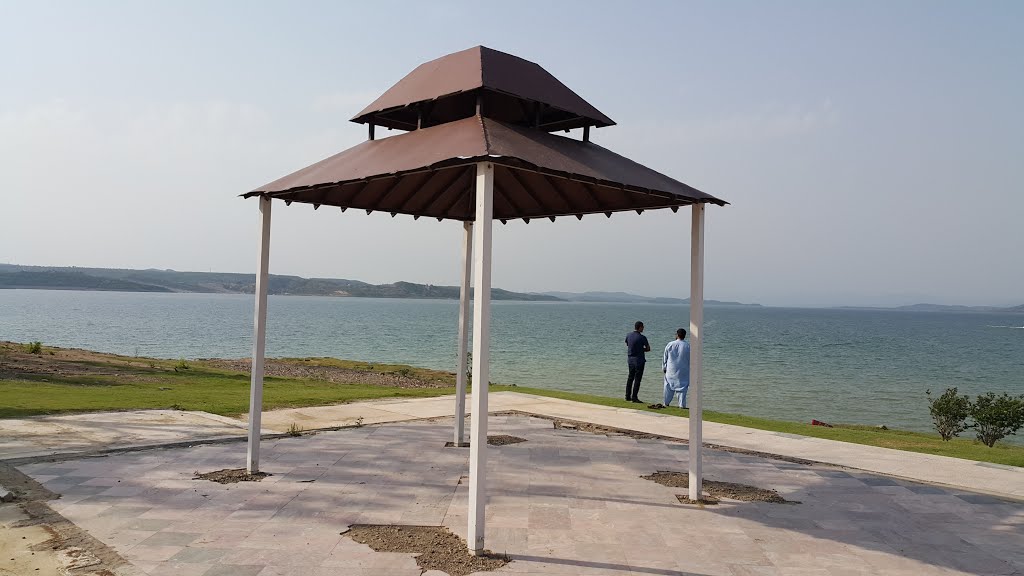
563,502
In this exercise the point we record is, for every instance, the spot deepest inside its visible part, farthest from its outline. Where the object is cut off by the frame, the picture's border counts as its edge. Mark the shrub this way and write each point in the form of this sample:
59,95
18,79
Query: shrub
949,412
294,429
34,347
996,417
181,365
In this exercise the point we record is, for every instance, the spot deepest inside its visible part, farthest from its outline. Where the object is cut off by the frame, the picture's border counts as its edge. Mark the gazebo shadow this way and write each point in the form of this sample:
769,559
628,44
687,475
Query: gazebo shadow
625,568
894,522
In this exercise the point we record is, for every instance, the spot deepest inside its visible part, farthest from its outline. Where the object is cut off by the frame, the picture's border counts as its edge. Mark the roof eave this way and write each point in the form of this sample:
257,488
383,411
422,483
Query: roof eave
511,162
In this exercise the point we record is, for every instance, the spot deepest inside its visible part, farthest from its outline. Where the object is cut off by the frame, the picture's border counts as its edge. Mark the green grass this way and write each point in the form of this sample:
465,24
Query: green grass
1002,453
197,388
145,383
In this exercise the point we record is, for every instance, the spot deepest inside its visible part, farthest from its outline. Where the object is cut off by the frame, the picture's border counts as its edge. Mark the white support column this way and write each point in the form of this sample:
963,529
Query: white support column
259,338
481,355
696,344
460,373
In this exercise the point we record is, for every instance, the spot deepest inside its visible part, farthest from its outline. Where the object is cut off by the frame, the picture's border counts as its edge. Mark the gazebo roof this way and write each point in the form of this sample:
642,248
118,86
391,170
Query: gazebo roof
429,172
512,89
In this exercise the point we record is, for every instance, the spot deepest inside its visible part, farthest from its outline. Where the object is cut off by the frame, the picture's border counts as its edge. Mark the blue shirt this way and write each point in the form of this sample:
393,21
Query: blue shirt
635,344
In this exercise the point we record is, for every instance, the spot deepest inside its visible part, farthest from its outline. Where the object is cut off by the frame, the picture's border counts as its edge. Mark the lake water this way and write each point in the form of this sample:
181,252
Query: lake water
857,366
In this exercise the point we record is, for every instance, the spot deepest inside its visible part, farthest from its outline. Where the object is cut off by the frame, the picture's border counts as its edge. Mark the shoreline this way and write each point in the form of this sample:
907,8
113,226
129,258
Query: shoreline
67,381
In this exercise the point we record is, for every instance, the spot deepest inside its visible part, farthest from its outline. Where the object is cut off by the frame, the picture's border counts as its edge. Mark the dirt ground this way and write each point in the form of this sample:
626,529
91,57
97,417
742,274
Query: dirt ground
35,540
231,476
436,546
17,363
290,369
493,440
18,544
717,490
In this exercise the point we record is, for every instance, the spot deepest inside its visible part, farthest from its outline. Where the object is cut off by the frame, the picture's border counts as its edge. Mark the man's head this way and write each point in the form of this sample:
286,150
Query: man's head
680,333
638,326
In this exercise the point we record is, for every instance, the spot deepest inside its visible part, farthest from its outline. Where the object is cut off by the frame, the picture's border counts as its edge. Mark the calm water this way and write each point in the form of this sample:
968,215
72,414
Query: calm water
869,367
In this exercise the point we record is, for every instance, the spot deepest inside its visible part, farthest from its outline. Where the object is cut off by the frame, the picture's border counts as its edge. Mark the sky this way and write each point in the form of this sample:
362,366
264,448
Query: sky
872,152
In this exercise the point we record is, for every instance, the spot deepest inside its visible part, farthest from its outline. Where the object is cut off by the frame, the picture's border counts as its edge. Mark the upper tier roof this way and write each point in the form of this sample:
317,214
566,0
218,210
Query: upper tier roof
510,89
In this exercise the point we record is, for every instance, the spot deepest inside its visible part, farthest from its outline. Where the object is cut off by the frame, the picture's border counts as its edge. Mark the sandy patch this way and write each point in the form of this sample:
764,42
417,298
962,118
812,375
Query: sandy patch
436,547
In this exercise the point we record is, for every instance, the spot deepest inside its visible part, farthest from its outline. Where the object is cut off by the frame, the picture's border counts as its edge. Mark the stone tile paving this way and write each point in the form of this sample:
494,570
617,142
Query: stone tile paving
564,502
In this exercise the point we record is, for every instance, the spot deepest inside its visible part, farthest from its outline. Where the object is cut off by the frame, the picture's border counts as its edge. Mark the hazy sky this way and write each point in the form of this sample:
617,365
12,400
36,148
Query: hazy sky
873,152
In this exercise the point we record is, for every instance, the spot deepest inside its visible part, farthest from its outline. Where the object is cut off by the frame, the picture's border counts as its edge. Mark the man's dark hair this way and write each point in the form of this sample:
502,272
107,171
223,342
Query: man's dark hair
638,325
680,333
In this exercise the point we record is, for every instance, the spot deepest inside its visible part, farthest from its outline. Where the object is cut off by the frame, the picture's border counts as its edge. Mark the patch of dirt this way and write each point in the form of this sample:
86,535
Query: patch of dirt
716,489
495,440
17,363
231,476
34,539
327,373
708,501
436,547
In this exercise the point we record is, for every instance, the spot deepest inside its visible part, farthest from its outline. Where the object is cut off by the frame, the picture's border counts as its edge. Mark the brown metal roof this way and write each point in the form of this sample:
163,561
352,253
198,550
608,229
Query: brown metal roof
429,172
512,90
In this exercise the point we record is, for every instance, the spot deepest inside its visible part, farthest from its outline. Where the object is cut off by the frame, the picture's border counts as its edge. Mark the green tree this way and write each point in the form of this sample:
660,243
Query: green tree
996,417
949,412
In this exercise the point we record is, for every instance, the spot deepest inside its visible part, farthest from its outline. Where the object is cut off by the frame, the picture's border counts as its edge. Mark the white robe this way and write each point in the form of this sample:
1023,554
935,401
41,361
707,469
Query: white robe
676,365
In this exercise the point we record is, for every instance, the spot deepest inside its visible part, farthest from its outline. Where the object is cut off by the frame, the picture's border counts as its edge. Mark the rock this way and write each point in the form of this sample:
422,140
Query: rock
6,495
883,427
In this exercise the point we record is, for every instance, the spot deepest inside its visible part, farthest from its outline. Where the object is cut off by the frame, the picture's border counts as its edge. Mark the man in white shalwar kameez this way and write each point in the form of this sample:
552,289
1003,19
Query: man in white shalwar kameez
675,364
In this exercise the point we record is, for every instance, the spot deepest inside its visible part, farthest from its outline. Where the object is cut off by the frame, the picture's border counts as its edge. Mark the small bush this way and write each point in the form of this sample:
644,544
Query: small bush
996,417
294,429
181,365
34,347
949,412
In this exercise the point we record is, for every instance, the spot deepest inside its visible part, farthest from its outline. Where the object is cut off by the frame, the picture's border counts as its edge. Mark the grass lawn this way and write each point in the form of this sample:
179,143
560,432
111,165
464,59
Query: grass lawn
76,381
69,382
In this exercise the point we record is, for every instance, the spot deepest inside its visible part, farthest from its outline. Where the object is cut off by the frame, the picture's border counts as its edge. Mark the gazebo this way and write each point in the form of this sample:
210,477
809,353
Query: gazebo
478,146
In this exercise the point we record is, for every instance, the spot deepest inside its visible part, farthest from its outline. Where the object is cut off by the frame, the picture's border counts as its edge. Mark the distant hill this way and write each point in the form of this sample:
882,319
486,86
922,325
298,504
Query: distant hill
60,279
152,280
943,308
624,297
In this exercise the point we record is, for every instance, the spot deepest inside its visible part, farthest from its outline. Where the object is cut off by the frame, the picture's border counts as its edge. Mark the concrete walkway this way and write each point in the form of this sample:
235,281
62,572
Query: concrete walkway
562,502
91,432
80,433
983,477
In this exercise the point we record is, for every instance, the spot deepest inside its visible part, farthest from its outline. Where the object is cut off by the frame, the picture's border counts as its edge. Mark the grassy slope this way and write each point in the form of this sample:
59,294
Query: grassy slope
165,384
146,383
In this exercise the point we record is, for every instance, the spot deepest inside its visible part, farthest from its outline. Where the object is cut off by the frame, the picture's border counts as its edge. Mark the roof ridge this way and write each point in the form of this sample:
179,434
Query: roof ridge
483,128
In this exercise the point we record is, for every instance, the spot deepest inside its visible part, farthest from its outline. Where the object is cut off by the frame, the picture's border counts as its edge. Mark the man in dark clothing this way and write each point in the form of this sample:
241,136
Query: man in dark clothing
636,345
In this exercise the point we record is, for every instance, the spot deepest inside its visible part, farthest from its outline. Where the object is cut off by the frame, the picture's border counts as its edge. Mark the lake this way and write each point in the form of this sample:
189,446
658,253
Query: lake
855,366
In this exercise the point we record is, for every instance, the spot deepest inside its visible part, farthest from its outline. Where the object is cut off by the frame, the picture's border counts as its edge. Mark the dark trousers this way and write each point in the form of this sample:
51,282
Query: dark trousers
636,373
